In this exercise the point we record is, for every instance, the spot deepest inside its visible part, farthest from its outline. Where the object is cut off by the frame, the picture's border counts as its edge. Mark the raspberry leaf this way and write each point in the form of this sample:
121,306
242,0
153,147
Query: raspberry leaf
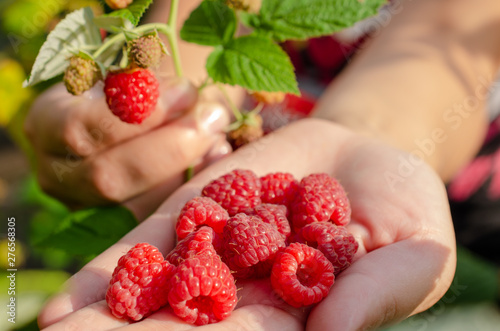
303,19
90,231
75,31
133,12
253,62
113,24
211,24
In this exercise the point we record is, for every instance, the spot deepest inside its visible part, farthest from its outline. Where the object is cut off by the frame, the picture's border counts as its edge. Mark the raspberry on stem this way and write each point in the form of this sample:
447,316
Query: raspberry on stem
132,95
247,130
252,6
118,4
81,75
302,275
146,51
269,97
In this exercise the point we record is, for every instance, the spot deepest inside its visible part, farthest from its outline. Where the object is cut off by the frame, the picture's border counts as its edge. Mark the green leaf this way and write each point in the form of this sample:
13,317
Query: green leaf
133,12
253,62
77,30
211,24
91,231
303,19
113,24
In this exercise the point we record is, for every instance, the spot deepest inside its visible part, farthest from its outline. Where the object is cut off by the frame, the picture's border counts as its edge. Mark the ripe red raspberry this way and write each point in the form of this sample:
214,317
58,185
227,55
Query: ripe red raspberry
302,275
200,211
250,246
236,191
320,198
278,188
197,242
335,242
202,290
139,285
276,215
132,94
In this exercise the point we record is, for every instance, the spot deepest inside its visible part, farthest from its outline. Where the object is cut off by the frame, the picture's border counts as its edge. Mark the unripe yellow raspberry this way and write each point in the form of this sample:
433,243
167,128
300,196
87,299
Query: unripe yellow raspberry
81,75
118,4
251,6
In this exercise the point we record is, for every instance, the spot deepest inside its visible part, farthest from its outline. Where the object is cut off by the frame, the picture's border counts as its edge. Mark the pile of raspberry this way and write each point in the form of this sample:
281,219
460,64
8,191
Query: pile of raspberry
241,227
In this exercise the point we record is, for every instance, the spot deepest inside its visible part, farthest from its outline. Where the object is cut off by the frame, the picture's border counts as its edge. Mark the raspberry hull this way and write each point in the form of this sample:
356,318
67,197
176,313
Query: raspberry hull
302,275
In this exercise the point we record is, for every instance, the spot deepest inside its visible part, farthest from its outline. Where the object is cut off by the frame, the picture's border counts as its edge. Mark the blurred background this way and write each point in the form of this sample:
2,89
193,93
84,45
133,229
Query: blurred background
50,242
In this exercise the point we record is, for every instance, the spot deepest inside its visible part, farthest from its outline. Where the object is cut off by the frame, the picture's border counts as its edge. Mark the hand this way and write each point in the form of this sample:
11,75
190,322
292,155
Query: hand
405,261
80,144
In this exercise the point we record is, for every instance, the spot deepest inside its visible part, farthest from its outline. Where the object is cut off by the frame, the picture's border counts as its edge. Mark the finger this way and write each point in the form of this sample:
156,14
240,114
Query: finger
257,318
145,204
264,156
386,285
135,166
60,123
96,316
163,319
89,285
254,317
260,291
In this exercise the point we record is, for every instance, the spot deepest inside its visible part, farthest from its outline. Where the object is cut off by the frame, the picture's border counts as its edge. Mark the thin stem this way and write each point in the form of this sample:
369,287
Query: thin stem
234,109
205,84
116,38
120,37
172,37
189,174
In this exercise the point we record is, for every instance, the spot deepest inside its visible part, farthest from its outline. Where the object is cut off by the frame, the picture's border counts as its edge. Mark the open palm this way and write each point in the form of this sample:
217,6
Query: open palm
401,220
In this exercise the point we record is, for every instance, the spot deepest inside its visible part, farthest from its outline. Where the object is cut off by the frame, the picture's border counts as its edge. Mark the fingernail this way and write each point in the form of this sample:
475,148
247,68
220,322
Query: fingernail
175,89
95,92
212,117
220,149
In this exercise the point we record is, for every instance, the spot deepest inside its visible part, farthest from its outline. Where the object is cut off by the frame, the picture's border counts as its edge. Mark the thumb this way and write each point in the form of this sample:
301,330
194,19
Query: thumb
176,97
179,145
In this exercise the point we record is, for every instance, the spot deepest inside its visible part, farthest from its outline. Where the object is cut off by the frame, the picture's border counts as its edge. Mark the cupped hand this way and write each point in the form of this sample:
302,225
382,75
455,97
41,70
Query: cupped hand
400,218
80,144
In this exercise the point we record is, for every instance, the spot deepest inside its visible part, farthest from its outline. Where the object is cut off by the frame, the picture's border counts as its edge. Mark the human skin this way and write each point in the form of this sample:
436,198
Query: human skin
78,142
405,262
399,89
